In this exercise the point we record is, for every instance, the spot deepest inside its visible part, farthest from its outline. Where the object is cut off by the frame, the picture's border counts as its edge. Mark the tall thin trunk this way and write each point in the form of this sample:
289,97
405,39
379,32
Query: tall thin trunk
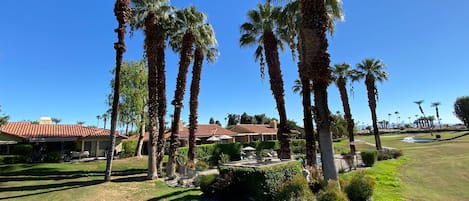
308,124
315,65
276,85
194,104
122,12
161,100
185,60
371,89
151,51
348,114
141,136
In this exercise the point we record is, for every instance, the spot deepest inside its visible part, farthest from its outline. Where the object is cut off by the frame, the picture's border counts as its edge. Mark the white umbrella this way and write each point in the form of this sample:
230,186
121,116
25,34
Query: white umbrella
248,148
213,138
225,137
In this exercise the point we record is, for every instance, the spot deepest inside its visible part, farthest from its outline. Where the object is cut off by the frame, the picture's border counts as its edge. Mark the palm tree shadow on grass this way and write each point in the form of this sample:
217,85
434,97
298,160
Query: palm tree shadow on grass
174,194
48,188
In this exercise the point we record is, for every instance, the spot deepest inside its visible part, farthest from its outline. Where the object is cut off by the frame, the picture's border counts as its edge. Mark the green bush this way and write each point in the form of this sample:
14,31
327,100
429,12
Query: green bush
332,193
360,187
396,153
384,154
298,146
13,159
128,148
22,150
369,157
296,189
205,183
53,157
201,165
233,150
213,152
261,183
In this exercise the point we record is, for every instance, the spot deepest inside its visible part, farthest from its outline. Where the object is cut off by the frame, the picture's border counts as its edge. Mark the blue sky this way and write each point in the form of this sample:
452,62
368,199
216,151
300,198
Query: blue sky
56,57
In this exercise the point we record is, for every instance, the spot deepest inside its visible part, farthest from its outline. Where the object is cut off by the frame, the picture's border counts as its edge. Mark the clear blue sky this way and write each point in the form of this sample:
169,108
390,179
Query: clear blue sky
56,57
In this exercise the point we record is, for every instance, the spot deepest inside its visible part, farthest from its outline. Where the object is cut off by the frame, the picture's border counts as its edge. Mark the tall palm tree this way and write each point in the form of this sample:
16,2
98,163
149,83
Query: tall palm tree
260,30
98,117
152,16
104,120
397,118
372,70
122,13
182,39
292,23
435,105
340,74
419,103
56,120
205,43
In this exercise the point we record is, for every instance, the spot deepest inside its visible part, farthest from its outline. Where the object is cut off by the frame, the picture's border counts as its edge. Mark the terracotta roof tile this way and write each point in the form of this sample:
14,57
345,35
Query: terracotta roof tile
203,130
27,130
254,128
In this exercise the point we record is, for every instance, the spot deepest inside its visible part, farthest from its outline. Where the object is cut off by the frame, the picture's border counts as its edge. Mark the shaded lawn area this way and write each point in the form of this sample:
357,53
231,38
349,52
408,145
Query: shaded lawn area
428,171
83,181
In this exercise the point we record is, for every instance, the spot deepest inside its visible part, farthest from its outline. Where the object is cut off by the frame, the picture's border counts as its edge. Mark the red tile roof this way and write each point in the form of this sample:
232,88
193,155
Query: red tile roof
254,128
203,130
28,130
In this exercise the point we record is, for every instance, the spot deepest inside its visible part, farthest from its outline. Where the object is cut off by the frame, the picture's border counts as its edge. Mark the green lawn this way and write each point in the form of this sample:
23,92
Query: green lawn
428,171
83,181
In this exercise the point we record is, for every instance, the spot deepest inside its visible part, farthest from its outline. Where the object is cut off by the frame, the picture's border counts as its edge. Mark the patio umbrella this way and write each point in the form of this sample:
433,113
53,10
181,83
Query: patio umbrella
213,138
225,137
248,148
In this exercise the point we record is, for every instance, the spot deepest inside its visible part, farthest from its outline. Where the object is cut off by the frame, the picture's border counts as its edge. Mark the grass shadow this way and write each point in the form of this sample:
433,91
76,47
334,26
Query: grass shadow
130,179
176,193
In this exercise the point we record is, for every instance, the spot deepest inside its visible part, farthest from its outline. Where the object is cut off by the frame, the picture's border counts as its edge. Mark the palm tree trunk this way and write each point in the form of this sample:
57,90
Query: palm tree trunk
371,89
194,104
308,124
315,65
276,85
161,99
348,115
141,137
185,60
122,12
151,51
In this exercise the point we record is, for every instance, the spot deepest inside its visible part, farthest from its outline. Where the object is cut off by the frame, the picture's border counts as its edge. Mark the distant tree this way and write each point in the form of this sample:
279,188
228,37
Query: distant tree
397,118
419,103
232,119
461,109
3,118
262,119
35,122
218,123
98,117
56,120
435,105
104,120
338,125
211,121
81,123
246,119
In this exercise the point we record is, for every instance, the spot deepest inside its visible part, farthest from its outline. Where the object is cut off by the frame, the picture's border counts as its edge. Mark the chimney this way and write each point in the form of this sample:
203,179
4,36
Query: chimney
45,120
273,124
181,125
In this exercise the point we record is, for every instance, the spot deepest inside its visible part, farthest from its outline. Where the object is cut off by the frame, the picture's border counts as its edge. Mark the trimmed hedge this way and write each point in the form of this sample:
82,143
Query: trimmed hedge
54,157
205,183
22,150
298,146
212,152
369,157
262,183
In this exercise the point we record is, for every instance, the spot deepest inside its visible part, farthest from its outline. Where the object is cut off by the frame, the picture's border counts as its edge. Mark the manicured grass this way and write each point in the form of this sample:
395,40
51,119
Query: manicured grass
83,181
428,171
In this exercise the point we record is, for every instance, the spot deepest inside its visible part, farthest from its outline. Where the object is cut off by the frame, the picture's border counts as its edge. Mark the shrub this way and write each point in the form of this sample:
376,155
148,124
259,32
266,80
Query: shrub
128,148
201,165
233,150
461,109
332,193
296,189
12,159
54,157
360,187
396,153
369,157
22,150
298,146
384,154
261,183
205,183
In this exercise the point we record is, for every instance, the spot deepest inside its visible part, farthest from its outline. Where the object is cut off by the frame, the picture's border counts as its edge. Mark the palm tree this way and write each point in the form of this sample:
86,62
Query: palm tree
153,17
397,118
98,117
260,29
372,70
205,43
389,118
122,13
56,120
291,33
182,39
340,74
419,103
104,120
435,105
